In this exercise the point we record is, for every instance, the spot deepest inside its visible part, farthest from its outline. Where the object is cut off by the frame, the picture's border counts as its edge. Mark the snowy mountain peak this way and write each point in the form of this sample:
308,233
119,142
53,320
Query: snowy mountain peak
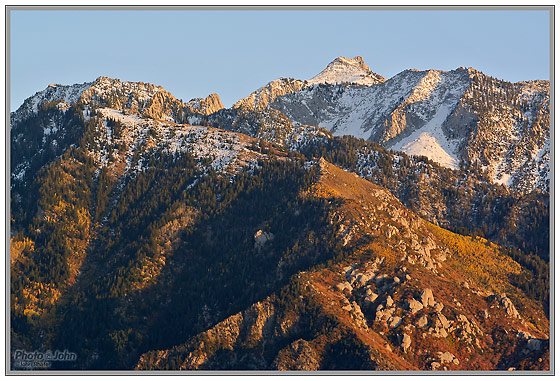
345,70
67,94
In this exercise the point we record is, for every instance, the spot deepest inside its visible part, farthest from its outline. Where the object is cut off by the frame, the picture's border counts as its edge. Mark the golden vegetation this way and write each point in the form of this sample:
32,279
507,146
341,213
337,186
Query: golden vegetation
17,247
478,259
37,297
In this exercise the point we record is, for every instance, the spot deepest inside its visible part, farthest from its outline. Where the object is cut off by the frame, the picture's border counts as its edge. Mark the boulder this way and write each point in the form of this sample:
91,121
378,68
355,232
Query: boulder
344,286
414,305
380,278
442,321
389,301
509,307
368,275
427,298
361,280
422,321
406,342
383,315
446,357
370,298
394,321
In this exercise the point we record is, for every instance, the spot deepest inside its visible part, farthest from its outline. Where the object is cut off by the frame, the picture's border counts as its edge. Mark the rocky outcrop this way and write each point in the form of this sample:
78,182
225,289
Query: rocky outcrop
443,358
261,238
427,298
298,355
260,99
406,342
507,304
204,106
244,330
347,71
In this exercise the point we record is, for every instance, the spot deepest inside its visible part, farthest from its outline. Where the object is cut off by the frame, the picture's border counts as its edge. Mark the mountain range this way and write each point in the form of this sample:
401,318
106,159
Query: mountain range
347,221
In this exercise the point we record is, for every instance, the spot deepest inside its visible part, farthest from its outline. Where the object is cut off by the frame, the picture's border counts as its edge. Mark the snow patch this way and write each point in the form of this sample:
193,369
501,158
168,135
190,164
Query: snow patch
430,141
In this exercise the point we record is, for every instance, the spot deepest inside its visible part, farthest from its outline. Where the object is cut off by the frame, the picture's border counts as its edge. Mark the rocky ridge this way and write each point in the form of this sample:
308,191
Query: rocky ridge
459,118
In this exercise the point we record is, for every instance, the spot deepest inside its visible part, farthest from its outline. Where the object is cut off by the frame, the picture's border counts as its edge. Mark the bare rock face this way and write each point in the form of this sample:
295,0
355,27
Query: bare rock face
204,106
261,238
267,94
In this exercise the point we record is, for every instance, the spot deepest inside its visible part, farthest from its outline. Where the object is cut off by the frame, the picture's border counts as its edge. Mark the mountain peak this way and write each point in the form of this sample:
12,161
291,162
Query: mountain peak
348,70
356,61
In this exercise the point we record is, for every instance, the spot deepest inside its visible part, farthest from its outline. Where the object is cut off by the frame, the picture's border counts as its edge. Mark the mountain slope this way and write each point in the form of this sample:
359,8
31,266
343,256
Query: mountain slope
131,208
390,302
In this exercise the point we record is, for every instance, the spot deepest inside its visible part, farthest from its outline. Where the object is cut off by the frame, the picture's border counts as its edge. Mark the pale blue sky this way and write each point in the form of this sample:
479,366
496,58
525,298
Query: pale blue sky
232,53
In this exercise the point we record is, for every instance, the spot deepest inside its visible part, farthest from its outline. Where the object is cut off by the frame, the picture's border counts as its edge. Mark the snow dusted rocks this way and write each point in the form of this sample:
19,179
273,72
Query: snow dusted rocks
442,115
65,94
347,71
226,150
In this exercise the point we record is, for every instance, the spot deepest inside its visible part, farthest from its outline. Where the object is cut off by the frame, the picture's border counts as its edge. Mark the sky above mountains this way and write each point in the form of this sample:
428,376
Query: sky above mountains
232,53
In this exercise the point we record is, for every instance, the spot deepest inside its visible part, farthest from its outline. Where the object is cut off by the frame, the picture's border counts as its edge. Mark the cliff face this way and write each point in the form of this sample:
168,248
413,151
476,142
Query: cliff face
205,106
261,98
